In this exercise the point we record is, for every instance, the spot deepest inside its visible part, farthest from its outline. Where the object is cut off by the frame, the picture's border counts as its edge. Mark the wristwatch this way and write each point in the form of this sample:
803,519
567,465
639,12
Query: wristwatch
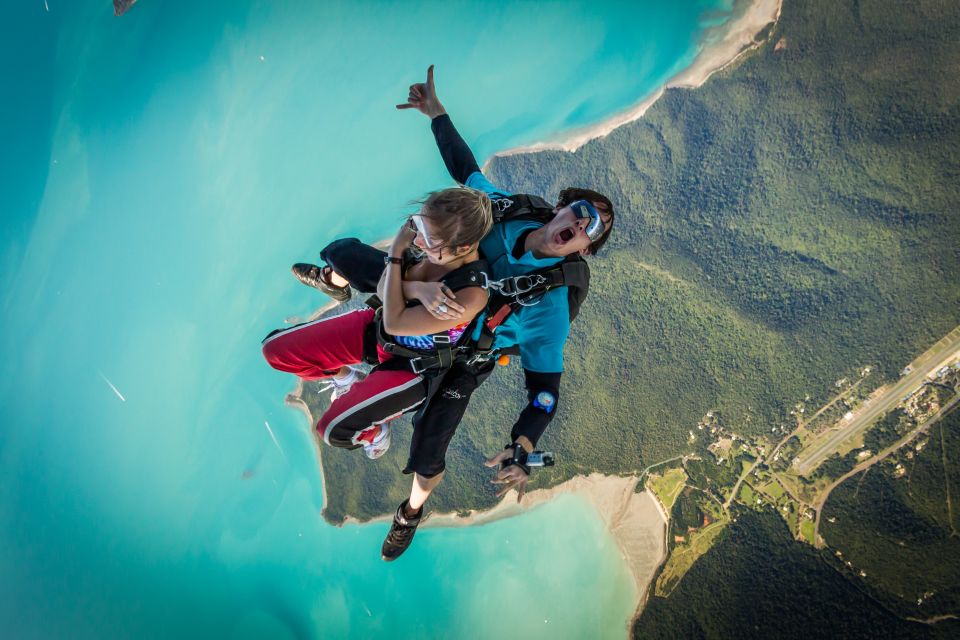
388,260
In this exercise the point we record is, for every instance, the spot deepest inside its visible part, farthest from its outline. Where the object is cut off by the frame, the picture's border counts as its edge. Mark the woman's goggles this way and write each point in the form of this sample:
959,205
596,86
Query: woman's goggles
584,209
416,225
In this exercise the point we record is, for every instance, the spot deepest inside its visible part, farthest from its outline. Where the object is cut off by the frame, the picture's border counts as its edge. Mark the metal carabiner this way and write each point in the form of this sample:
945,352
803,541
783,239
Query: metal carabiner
513,287
532,282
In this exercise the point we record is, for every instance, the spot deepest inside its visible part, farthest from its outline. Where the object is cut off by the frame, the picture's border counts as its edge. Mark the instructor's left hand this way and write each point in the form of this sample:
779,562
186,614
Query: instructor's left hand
513,477
423,98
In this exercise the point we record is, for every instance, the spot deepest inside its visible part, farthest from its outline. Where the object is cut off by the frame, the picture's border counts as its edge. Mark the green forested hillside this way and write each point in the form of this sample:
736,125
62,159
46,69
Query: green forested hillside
792,219
898,524
757,582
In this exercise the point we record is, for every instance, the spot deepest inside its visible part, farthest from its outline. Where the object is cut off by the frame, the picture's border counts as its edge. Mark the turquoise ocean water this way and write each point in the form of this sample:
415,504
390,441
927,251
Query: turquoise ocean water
160,172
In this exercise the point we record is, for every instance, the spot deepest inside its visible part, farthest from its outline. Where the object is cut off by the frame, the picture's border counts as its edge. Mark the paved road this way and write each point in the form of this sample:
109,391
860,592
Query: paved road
811,457
736,487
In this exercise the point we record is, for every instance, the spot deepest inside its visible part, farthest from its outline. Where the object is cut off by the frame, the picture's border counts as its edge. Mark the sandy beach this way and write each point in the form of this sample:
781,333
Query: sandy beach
738,37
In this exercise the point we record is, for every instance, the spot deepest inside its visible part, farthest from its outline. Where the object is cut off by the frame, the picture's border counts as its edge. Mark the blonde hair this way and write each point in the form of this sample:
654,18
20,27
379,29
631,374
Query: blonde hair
460,215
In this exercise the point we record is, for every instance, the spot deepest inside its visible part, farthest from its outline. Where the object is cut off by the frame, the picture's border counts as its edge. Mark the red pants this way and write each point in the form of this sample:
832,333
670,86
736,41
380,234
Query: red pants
318,349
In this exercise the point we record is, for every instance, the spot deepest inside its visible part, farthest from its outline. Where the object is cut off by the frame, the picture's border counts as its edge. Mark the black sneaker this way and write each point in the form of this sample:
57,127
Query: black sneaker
312,276
401,534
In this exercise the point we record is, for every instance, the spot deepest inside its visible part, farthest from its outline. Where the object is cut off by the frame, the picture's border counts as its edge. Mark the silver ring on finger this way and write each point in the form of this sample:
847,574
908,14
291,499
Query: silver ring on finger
442,308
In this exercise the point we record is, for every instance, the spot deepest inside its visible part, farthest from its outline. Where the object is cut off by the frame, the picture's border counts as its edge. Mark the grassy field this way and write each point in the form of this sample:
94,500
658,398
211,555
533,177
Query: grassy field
667,487
774,490
807,530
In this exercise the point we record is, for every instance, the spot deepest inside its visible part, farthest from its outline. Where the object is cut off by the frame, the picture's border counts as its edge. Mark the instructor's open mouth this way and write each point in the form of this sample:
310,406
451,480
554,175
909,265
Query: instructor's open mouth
564,236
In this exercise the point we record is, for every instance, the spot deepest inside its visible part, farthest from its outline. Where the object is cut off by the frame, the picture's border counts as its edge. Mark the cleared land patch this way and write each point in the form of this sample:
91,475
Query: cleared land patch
667,487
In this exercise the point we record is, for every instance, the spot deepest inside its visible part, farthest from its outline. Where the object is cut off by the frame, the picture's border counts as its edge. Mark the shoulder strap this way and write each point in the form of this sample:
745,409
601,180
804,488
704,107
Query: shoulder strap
472,274
576,275
521,206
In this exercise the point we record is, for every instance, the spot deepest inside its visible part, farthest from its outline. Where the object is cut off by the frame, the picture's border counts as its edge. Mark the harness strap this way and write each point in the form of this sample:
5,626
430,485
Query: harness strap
420,362
572,273
575,273
441,341
519,206
520,291
497,319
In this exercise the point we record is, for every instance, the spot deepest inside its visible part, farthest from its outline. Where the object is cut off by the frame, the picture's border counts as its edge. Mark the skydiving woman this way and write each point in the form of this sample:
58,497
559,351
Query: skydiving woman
413,341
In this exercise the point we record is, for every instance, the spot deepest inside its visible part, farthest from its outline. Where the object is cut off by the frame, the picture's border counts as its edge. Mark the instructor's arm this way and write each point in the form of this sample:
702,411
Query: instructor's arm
543,395
457,156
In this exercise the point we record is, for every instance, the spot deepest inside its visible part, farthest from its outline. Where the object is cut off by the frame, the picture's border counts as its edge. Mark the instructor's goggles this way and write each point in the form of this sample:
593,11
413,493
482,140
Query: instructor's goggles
584,209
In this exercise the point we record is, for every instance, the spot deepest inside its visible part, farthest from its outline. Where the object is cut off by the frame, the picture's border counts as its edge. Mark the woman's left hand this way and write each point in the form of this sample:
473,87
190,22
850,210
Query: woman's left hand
438,299
403,239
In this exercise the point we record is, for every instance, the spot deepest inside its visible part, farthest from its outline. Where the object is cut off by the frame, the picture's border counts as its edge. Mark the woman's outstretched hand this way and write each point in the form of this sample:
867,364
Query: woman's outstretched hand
423,98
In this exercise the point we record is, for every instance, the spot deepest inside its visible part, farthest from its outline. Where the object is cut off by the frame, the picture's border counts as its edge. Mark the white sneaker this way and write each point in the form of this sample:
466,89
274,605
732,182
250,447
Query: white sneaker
380,444
340,386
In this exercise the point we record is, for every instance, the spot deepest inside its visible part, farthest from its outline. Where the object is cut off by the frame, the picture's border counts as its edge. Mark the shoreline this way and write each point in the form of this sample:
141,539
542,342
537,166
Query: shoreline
739,33
635,521
295,400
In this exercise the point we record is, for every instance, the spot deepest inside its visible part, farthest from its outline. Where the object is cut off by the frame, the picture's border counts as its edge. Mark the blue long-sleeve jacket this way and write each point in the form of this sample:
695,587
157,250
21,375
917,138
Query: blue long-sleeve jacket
540,331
